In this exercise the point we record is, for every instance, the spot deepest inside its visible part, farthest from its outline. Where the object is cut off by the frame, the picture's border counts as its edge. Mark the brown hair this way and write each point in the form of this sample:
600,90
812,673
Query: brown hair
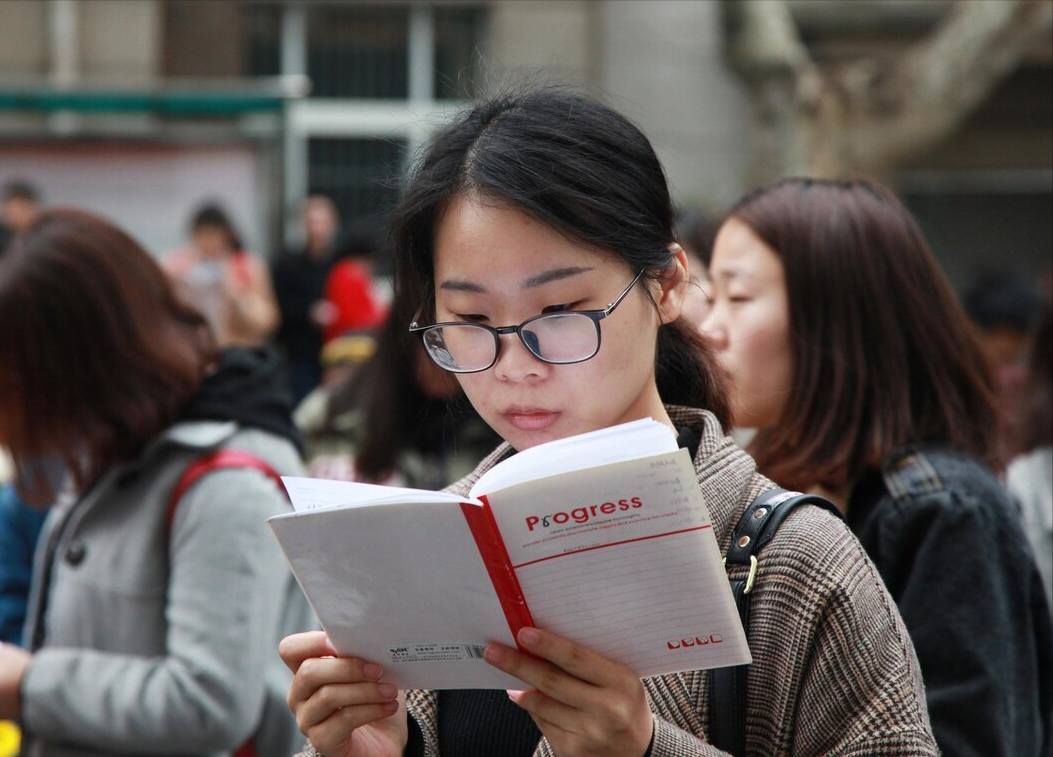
884,355
98,355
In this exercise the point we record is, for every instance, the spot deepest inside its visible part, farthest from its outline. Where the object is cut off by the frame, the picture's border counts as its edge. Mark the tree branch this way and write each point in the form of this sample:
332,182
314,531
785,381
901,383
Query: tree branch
941,80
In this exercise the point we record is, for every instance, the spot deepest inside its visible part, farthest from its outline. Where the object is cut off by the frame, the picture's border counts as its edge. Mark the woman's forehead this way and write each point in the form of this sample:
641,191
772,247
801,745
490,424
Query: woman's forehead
477,241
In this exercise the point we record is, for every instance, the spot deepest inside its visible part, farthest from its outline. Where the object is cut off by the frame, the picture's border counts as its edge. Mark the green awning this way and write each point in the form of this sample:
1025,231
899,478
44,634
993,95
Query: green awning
166,103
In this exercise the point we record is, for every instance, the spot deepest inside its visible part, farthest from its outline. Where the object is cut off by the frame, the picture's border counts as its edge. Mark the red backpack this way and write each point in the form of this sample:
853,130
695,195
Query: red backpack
223,458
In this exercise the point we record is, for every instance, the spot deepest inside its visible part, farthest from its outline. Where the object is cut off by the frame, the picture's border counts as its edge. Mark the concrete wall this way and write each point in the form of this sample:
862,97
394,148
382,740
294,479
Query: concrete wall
663,66
550,40
658,61
119,40
113,39
23,37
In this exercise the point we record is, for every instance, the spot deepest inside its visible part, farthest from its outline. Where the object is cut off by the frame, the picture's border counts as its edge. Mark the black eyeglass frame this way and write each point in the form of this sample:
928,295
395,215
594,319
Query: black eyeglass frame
594,315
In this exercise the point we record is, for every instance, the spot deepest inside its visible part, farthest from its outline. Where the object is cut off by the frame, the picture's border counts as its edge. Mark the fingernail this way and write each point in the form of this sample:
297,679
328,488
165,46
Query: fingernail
390,706
387,690
529,636
372,671
494,653
514,694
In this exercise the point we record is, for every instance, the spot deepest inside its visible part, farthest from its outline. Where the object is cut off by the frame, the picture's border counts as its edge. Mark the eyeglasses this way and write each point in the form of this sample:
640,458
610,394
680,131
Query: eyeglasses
557,338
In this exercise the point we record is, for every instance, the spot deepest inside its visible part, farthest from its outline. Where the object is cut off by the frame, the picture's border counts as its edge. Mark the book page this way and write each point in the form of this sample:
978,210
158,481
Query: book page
639,438
401,585
623,559
318,493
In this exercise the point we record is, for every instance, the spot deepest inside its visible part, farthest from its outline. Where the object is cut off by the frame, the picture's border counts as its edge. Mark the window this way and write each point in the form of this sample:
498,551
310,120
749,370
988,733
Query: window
458,37
360,175
262,28
359,52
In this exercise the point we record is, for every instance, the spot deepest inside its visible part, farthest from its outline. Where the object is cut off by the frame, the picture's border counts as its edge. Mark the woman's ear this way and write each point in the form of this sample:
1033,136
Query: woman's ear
673,285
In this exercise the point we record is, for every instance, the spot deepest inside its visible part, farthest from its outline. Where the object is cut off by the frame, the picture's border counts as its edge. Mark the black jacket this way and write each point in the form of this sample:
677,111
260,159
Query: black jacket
951,548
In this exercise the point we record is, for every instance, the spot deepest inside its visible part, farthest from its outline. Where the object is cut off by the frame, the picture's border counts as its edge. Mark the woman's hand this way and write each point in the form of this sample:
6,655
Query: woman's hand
586,705
13,663
339,702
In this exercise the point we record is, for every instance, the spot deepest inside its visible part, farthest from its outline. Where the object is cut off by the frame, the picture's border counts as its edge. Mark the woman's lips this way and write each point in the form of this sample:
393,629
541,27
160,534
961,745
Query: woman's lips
530,418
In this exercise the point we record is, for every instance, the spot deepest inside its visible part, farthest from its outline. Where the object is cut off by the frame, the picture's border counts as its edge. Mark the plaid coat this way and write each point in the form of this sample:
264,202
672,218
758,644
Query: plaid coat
833,673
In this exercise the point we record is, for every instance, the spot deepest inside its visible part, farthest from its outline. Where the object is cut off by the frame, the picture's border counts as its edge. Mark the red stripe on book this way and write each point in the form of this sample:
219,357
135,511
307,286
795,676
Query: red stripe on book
502,575
612,544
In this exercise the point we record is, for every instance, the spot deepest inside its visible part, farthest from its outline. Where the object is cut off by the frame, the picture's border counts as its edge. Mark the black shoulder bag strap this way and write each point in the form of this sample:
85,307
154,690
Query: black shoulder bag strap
727,691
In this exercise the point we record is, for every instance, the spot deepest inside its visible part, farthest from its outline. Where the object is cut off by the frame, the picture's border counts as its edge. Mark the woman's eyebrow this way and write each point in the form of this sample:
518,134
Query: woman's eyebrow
730,274
556,274
457,285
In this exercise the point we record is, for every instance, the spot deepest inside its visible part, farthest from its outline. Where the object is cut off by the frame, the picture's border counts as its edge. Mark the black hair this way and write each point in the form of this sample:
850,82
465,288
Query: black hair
19,189
211,215
1003,299
578,166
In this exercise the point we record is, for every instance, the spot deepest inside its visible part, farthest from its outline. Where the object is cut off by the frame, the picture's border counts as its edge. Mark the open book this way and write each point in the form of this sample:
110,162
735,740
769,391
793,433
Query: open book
601,537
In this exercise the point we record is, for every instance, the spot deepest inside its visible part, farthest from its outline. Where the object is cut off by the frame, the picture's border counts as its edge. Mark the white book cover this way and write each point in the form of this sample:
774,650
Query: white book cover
603,538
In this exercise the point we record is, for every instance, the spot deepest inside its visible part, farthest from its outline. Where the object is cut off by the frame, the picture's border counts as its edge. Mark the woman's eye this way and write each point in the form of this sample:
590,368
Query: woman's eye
470,317
558,308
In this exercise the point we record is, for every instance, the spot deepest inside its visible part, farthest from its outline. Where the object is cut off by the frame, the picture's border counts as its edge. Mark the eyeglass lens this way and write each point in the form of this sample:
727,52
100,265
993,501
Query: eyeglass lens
554,338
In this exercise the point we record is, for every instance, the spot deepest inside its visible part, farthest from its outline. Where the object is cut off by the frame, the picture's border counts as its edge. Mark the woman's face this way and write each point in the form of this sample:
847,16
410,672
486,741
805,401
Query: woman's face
750,324
497,266
211,241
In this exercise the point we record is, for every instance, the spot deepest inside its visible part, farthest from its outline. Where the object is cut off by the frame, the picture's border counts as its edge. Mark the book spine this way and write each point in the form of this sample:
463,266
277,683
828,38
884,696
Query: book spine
491,547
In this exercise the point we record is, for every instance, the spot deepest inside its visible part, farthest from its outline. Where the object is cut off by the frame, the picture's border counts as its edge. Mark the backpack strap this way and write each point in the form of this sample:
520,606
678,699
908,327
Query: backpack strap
756,527
222,458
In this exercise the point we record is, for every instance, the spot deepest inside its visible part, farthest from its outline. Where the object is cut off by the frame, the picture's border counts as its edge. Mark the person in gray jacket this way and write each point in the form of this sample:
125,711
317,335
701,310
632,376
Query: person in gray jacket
154,613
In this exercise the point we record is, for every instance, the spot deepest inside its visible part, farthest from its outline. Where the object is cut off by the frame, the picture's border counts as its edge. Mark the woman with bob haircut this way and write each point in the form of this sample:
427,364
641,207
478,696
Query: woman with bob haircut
548,209
850,355
154,608
229,285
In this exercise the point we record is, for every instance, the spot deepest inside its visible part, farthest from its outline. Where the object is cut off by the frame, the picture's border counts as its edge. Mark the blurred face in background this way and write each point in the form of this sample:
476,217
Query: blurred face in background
320,224
211,241
749,323
19,213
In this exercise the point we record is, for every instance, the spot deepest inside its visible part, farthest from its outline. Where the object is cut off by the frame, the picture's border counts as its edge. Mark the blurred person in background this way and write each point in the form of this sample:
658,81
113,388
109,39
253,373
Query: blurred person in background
229,285
20,523
851,356
155,605
399,419
1030,474
351,289
20,526
695,231
1004,307
300,276
20,207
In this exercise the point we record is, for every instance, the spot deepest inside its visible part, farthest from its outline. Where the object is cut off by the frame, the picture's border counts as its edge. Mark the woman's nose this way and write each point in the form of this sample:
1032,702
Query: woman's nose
514,361
713,328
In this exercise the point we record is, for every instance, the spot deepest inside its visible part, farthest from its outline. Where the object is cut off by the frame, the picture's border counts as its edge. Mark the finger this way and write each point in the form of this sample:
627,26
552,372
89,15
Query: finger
539,673
580,661
547,713
365,702
316,672
333,733
298,647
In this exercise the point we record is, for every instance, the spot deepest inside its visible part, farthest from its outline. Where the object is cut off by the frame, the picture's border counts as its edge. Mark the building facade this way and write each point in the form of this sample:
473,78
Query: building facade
143,109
